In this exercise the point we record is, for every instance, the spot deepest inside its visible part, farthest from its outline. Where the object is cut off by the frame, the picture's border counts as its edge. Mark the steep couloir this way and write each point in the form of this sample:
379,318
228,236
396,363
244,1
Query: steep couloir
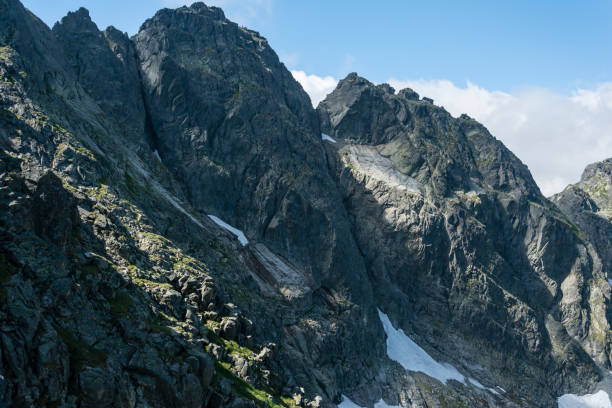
175,232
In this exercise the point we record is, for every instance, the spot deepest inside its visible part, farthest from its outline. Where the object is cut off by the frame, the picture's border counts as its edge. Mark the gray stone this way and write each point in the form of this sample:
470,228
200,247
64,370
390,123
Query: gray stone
98,388
112,152
229,328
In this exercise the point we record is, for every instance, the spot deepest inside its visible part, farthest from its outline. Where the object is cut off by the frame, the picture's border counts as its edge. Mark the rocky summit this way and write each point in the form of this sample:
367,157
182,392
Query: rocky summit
180,228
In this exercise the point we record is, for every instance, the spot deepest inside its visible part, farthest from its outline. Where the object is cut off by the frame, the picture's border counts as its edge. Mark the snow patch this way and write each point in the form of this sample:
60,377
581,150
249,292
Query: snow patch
347,403
369,163
383,404
402,349
328,138
156,154
477,384
598,400
239,234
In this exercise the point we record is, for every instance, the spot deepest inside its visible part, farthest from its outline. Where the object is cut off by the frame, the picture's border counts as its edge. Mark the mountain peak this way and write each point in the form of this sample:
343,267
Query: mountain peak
183,16
603,168
130,165
77,21
387,88
200,7
352,80
409,94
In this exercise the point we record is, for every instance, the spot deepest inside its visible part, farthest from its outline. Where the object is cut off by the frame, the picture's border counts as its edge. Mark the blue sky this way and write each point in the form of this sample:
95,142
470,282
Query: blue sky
505,45
538,74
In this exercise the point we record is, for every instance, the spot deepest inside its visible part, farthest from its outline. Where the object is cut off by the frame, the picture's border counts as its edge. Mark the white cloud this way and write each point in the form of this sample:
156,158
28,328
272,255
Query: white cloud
456,100
555,135
599,99
315,86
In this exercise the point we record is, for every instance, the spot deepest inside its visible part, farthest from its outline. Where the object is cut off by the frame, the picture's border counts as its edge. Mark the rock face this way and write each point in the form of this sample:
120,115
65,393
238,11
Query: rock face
105,65
240,135
588,204
119,290
462,249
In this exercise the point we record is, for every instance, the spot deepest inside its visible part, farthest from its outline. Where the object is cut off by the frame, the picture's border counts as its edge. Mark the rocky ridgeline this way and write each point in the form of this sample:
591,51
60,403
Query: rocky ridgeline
460,244
118,289
589,205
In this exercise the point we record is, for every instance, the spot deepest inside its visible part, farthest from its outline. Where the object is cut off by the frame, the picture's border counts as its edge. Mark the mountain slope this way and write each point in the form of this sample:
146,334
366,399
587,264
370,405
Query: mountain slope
175,232
479,264
589,205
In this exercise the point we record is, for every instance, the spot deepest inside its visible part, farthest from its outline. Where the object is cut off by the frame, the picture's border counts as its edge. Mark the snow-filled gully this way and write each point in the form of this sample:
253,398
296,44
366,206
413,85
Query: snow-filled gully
402,349
412,357
235,231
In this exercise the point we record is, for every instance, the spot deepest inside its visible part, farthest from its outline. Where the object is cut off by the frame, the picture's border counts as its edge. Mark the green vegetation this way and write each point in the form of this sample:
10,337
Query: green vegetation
81,354
350,165
59,128
6,52
159,327
231,346
234,348
146,282
187,263
598,186
261,397
84,152
98,192
168,317
130,184
156,238
166,324
63,147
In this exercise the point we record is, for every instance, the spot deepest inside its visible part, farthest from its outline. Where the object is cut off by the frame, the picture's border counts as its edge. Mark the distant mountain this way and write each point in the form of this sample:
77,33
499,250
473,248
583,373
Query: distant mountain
180,228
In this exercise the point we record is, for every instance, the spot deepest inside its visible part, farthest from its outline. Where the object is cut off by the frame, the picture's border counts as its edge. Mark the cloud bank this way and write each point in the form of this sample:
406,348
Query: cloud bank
555,135
315,86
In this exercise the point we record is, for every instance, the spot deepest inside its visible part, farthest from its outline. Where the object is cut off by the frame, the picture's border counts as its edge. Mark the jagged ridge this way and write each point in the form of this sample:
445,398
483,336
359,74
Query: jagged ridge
114,151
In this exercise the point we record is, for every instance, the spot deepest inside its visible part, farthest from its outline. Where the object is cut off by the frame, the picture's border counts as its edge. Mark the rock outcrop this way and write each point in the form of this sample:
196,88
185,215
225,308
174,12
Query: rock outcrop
461,247
175,232
588,204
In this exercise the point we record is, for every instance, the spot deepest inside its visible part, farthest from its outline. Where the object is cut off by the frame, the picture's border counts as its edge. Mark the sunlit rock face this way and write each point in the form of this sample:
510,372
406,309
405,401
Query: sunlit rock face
458,240
179,228
588,204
